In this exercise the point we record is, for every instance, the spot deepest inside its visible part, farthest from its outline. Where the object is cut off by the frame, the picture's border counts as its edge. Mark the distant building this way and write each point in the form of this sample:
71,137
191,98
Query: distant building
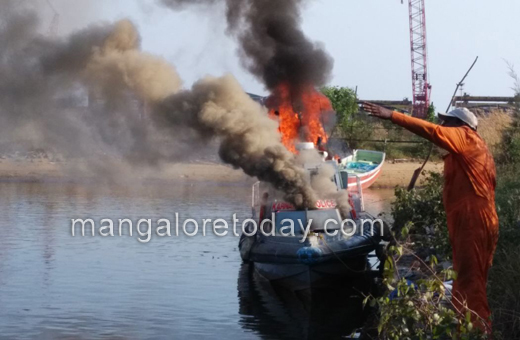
485,104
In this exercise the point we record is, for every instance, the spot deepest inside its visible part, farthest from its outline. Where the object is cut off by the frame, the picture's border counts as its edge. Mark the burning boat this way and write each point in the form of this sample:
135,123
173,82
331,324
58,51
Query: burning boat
304,119
317,253
307,119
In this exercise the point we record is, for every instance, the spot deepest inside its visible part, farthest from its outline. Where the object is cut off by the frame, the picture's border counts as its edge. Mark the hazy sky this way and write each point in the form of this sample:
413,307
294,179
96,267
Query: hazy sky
368,39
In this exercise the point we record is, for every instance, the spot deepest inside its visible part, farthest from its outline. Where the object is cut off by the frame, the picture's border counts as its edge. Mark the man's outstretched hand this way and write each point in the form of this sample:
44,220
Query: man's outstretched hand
377,111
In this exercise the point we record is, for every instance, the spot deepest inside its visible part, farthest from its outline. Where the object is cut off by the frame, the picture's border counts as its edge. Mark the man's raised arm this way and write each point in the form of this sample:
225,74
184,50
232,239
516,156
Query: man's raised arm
448,138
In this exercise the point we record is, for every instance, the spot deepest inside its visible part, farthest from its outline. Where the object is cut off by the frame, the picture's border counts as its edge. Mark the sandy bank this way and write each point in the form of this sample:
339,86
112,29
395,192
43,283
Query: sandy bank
400,174
42,170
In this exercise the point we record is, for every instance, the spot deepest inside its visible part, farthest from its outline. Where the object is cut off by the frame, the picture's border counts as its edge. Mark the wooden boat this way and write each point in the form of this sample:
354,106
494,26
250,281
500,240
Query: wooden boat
363,167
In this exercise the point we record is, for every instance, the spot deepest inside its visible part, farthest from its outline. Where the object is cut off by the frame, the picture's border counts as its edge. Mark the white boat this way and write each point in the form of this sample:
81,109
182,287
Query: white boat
365,167
321,259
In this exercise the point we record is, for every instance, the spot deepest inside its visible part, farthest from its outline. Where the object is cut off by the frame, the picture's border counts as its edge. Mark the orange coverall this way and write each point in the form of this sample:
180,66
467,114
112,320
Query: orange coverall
469,201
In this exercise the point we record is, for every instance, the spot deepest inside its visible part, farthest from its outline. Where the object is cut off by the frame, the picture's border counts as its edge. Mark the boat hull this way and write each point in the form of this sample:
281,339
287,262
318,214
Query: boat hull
302,278
319,262
368,178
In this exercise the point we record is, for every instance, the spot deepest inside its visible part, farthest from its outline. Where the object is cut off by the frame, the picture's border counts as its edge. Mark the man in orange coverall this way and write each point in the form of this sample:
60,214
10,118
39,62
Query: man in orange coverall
468,197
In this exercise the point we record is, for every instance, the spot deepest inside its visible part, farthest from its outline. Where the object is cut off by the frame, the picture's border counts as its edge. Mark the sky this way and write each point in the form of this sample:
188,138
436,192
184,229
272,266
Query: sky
368,39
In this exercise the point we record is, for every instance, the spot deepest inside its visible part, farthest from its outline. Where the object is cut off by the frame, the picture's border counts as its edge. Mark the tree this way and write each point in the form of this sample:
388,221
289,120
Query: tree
344,102
430,116
350,124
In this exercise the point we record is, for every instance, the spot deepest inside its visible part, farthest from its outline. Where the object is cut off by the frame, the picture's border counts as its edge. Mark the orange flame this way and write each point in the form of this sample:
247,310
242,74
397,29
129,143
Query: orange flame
301,119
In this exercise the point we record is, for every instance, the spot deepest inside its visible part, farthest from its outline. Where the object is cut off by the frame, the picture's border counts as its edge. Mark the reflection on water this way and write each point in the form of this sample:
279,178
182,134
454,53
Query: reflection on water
276,313
55,286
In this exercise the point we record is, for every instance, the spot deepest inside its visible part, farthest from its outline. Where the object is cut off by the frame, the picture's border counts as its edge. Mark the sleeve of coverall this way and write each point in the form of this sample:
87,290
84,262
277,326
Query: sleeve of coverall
450,139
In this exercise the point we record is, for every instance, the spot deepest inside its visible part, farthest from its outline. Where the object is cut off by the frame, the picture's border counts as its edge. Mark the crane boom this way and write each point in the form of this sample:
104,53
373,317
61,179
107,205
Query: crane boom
420,85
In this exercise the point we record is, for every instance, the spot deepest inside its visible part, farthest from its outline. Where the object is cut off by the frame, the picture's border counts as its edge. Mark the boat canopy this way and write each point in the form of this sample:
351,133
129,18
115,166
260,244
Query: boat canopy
369,156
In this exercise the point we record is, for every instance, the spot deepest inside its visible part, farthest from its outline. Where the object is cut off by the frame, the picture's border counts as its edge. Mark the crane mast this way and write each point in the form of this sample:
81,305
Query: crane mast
420,85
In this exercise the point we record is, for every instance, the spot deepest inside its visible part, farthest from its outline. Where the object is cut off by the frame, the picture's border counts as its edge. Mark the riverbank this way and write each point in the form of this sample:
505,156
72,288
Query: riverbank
43,170
399,174
392,175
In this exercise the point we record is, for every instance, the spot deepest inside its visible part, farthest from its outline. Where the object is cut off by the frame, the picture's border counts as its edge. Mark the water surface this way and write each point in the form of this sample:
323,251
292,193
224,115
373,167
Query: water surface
56,286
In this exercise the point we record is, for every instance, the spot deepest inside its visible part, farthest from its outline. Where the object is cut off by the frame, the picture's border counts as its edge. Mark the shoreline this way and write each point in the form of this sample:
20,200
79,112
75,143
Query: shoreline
37,171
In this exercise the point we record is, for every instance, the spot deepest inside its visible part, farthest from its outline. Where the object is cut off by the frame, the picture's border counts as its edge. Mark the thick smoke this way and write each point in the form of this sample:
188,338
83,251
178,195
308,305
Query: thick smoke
214,107
119,61
84,97
249,139
135,110
272,44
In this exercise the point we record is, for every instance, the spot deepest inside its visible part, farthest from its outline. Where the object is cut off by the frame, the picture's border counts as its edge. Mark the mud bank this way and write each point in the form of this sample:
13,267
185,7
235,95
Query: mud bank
393,175
44,170
399,174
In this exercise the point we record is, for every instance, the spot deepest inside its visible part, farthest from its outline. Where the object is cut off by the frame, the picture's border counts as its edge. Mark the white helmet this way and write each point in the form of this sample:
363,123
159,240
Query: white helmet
463,114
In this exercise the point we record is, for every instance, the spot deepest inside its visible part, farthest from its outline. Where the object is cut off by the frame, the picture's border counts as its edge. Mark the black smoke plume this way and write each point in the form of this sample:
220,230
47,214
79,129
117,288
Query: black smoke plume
272,44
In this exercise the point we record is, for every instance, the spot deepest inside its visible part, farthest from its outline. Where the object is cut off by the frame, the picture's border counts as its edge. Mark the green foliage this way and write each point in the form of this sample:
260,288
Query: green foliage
510,154
503,292
508,204
419,212
419,310
422,212
351,124
422,309
344,102
358,129
430,116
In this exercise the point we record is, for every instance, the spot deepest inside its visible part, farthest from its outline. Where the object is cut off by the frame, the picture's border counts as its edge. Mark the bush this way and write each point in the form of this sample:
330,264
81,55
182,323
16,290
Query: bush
510,154
420,223
503,291
419,310
504,294
422,212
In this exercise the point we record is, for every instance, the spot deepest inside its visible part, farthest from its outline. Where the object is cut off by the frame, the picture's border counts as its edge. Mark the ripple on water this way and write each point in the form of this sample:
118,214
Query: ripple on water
53,285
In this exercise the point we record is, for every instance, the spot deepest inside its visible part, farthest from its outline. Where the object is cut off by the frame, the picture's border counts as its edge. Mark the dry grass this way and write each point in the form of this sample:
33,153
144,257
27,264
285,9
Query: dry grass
492,127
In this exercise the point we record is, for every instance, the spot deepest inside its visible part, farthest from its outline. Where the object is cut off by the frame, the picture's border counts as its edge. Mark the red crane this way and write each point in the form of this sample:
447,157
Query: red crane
420,85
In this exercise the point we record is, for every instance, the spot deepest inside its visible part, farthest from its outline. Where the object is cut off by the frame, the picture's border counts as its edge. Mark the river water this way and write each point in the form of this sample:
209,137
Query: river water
57,286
